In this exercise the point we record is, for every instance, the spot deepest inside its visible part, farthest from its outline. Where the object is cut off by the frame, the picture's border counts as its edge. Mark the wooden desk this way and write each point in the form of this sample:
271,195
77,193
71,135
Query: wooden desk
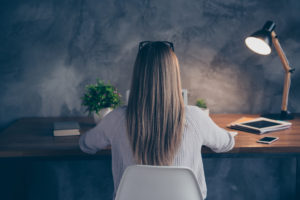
33,137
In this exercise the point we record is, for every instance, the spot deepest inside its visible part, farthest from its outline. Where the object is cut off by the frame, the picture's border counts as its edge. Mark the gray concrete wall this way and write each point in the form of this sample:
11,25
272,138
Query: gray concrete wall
51,49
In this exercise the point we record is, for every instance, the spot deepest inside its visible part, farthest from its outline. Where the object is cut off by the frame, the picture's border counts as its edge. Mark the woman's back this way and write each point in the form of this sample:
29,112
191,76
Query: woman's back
198,130
156,128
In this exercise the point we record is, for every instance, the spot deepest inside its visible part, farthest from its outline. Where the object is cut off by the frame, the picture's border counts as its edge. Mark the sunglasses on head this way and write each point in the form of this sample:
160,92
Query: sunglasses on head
144,43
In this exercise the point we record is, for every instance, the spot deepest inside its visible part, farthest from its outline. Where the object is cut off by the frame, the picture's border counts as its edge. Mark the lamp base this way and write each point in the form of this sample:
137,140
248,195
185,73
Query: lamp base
284,115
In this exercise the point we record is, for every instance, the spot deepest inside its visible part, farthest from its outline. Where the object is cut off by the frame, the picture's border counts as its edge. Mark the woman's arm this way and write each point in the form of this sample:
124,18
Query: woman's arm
94,140
218,139
99,137
214,137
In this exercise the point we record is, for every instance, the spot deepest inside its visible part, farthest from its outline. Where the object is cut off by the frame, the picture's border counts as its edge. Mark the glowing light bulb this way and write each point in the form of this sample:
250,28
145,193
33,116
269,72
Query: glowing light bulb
258,45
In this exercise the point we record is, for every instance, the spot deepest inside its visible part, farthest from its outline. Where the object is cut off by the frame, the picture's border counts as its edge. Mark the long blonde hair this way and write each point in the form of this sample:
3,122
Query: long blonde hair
155,112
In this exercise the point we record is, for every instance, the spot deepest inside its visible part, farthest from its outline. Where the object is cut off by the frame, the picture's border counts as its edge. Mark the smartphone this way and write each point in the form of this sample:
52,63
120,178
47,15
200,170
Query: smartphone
267,140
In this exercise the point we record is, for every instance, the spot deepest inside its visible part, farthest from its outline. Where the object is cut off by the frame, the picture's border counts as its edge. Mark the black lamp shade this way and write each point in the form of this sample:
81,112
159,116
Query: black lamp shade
260,41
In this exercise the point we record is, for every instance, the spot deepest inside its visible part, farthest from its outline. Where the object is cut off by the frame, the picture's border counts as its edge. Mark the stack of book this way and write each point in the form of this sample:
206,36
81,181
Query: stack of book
66,128
259,125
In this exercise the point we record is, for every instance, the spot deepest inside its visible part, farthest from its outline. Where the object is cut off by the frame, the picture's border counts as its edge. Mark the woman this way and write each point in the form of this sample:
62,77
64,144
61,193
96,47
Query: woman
156,128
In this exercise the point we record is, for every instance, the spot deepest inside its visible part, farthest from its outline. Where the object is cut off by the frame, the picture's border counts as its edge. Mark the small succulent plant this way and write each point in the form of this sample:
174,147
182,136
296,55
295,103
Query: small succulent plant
201,103
100,95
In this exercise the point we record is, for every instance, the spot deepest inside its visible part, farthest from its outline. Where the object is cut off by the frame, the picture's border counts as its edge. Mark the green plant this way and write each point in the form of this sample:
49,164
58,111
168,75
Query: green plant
201,103
100,95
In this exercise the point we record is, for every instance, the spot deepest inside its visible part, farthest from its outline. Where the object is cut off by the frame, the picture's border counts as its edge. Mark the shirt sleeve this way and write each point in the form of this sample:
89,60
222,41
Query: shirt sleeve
98,137
214,137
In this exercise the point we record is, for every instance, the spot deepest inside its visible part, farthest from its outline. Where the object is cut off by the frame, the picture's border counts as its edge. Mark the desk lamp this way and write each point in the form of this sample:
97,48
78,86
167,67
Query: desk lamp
260,42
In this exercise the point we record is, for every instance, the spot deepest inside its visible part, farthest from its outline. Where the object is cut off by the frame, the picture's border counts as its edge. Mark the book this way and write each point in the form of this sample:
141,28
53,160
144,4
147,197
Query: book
66,128
258,125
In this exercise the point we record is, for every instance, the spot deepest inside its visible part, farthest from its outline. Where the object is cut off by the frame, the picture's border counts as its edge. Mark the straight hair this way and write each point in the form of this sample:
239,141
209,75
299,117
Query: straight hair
155,112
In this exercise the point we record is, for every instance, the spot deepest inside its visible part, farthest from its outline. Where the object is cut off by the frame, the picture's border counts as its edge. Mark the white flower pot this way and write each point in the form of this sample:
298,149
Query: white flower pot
206,110
98,117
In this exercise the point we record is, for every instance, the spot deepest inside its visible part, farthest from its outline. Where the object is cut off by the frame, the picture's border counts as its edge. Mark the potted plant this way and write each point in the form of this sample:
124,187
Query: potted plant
202,104
100,99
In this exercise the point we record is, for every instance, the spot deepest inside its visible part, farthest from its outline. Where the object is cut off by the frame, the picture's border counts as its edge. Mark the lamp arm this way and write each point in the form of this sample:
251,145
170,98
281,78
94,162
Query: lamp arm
288,70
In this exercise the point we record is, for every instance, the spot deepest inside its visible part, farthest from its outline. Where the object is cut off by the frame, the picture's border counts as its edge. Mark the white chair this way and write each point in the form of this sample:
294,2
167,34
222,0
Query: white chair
143,182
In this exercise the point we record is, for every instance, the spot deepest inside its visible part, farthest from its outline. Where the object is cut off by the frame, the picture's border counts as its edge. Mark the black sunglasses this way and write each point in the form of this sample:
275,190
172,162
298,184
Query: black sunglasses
144,43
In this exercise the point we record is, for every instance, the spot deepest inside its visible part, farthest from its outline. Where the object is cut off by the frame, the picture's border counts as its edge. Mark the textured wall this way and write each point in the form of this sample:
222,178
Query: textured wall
51,49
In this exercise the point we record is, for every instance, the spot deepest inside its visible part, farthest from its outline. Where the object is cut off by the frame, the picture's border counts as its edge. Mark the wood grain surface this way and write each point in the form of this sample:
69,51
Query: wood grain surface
33,137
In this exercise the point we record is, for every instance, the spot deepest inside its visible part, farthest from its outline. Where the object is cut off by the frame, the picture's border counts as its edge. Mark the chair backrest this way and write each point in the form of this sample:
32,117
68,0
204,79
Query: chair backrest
142,182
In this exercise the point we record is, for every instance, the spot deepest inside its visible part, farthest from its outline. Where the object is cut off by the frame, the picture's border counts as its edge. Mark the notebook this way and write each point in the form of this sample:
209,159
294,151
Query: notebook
66,128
